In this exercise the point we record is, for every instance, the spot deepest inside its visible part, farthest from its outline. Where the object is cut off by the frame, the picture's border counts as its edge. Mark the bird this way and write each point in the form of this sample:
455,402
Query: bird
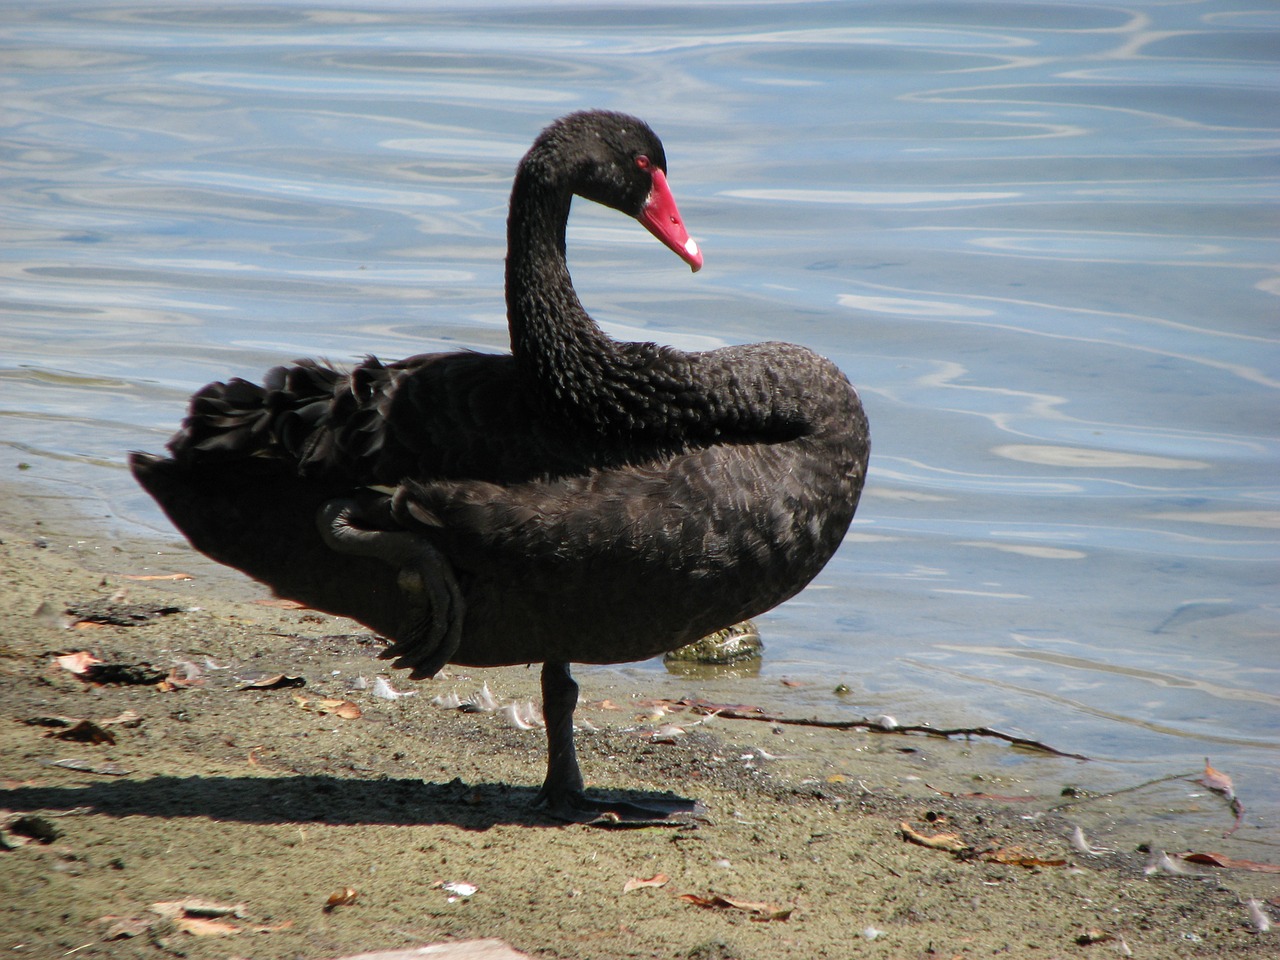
577,500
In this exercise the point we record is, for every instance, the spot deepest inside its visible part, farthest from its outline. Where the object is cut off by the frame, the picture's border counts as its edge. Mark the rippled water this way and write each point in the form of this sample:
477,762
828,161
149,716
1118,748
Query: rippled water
1041,238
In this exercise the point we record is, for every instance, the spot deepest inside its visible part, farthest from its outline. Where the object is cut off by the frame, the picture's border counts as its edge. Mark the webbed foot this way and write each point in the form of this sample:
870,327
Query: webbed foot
562,794
574,806
433,632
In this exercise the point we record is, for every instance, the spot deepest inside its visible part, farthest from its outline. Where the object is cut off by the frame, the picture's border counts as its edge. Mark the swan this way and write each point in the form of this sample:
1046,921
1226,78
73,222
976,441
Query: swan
578,500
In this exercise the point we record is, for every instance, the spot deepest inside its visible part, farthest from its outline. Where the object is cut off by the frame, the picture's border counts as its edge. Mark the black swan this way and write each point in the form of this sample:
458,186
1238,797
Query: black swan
580,499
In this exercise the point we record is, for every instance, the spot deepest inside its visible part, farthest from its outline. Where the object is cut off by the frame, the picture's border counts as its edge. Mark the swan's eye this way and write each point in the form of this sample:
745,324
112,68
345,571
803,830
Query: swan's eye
642,162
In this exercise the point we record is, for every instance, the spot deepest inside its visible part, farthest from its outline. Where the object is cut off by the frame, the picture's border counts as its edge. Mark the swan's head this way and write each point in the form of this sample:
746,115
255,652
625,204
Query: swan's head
616,160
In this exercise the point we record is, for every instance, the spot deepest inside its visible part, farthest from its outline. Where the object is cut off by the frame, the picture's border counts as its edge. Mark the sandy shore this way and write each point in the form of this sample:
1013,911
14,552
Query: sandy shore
334,822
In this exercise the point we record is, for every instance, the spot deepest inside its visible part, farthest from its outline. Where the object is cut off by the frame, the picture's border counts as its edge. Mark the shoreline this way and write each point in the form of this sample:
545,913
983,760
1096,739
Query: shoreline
271,801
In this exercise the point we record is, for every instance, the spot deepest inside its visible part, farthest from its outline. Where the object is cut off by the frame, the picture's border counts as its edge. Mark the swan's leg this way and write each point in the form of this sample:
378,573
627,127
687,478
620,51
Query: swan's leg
559,698
562,792
425,577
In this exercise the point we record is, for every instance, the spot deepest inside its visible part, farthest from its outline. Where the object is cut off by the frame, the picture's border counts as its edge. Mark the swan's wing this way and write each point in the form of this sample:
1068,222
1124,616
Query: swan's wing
459,416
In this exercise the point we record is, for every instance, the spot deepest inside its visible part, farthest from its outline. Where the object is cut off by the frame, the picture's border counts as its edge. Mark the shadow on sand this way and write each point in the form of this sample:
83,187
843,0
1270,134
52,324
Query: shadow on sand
304,799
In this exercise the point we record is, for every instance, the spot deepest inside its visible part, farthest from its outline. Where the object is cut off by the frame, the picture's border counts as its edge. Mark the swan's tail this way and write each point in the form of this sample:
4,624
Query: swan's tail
259,517
281,418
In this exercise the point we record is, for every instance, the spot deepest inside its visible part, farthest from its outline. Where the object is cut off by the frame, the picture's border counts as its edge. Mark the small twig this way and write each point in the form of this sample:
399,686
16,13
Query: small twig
881,863
741,712
1072,801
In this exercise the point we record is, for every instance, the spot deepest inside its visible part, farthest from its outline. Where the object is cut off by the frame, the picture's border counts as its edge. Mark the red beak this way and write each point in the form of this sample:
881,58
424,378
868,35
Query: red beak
661,218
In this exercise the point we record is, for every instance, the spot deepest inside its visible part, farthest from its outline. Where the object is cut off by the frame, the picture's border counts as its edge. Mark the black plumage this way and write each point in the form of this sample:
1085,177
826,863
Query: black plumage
579,500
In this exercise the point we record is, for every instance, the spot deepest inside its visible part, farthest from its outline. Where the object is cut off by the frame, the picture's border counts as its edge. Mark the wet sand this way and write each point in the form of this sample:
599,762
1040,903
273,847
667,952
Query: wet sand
276,802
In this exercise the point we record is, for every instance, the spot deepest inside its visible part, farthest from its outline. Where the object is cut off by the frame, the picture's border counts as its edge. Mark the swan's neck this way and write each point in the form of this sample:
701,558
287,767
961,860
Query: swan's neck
568,362
573,370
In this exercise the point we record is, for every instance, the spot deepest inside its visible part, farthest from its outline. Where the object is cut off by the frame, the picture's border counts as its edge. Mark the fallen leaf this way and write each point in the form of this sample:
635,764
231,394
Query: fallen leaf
763,912
276,681
202,927
194,907
118,614
1017,857
75,763
156,576
77,662
340,708
270,927
140,674
668,734
1217,780
122,928
342,898
1092,936
636,883
129,718
86,731
20,829
182,676
1230,863
939,841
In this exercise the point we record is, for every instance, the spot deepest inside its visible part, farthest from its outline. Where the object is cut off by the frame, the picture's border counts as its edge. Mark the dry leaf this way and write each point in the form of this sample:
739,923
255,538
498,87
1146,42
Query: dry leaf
122,928
139,674
1217,780
939,841
340,708
1230,863
1094,935
195,907
86,731
1017,857
156,576
763,912
181,676
75,763
130,718
77,662
276,681
635,883
202,927
16,830
344,897
667,734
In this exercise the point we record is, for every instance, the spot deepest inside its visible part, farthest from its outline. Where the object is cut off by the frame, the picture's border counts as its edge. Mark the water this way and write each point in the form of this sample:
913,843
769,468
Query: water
1041,238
